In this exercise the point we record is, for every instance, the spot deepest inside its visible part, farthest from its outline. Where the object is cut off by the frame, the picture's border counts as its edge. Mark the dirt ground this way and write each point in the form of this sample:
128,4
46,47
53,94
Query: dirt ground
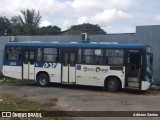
83,98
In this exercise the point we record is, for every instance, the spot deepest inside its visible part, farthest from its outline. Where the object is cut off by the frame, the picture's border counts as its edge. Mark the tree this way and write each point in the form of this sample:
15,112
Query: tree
5,26
50,30
28,23
87,28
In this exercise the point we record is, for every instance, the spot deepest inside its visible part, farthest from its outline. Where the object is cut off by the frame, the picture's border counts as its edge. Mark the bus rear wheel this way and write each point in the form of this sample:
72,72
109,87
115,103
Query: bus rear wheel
112,84
43,80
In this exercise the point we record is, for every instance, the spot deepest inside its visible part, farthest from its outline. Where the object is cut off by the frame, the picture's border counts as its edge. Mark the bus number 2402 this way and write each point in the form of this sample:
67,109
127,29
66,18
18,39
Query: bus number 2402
12,63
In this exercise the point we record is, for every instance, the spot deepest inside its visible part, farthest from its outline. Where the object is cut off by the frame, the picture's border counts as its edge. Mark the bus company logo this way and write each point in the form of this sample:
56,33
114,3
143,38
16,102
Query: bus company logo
6,114
88,69
50,65
104,70
85,69
21,114
98,69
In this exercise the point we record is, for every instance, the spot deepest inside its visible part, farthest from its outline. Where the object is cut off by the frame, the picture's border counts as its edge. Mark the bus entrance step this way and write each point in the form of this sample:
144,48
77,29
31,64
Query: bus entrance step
71,83
137,88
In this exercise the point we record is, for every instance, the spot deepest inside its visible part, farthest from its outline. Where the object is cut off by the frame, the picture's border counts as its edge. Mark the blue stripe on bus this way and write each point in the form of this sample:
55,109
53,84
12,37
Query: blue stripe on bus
80,45
12,63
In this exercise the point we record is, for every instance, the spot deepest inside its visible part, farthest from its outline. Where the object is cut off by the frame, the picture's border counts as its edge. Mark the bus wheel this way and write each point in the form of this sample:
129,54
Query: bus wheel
112,84
43,80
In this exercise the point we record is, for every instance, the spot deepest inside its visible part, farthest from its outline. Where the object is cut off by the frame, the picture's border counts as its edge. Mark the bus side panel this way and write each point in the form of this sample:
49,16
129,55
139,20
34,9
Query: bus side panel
95,75
84,75
52,69
12,71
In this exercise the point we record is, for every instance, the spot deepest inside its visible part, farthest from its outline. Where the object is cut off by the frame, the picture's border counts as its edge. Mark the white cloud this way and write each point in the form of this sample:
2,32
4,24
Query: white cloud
86,6
65,13
111,15
119,29
45,23
66,24
118,4
105,17
46,7
157,18
83,19
90,7
51,7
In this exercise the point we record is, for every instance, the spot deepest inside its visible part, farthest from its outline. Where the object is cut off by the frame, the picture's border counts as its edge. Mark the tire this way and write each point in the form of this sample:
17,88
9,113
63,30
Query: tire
43,80
112,84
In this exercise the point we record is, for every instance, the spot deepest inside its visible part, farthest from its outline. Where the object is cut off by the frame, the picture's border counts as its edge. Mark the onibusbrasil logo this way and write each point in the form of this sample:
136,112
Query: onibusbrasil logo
98,69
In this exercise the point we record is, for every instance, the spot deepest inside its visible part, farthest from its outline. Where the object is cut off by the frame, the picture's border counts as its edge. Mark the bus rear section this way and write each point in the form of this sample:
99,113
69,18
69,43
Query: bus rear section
12,63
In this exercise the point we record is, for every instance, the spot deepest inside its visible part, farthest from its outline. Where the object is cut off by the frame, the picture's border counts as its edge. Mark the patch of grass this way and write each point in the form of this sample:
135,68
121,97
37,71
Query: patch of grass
1,75
4,79
10,103
12,80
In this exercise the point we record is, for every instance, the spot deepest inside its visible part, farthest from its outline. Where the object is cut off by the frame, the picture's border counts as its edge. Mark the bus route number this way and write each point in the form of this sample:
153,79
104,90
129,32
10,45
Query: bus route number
13,63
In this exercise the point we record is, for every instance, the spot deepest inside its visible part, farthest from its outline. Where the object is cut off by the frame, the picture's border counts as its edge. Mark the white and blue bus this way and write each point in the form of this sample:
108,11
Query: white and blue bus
112,66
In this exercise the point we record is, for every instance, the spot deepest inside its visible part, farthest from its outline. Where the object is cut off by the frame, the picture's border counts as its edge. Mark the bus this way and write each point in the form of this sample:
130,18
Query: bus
112,66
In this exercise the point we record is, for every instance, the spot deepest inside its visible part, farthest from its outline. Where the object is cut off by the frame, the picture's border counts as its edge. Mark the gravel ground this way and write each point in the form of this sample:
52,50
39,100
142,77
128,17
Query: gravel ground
83,98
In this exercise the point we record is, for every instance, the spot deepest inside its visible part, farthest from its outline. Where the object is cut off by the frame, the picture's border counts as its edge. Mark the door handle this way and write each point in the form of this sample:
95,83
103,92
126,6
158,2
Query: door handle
79,76
94,77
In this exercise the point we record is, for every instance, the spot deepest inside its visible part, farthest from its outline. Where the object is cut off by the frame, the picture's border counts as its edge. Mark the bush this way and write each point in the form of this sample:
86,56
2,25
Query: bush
1,75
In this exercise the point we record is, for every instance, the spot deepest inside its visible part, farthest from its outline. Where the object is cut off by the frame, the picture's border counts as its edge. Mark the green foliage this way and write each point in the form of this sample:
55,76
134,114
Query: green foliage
50,30
27,24
87,28
5,26
1,75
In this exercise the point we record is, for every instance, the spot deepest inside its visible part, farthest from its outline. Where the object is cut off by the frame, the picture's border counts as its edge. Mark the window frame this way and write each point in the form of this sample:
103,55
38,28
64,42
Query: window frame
83,55
19,54
94,56
123,57
43,54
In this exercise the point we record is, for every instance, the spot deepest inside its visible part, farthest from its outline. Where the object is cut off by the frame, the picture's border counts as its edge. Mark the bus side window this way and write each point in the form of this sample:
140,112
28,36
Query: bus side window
13,53
79,55
72,59
98,56
50,54
32,58
39,54
114,57
88,56
106,60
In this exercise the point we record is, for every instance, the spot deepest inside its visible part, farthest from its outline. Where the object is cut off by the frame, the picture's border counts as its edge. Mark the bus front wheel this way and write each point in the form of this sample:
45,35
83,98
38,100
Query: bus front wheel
112,84
43,80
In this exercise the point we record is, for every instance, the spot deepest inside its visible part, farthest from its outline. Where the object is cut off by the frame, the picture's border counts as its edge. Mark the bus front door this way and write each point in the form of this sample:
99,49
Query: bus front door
28,64
134,70
68,67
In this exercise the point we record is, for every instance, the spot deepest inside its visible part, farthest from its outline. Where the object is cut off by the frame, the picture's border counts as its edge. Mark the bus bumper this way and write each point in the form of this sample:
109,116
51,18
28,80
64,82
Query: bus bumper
145,85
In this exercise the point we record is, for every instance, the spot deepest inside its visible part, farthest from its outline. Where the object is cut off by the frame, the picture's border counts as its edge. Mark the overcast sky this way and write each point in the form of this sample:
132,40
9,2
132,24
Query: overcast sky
114,16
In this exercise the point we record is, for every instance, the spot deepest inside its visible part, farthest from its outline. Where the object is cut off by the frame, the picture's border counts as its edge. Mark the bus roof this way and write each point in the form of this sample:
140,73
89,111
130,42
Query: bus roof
79,45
